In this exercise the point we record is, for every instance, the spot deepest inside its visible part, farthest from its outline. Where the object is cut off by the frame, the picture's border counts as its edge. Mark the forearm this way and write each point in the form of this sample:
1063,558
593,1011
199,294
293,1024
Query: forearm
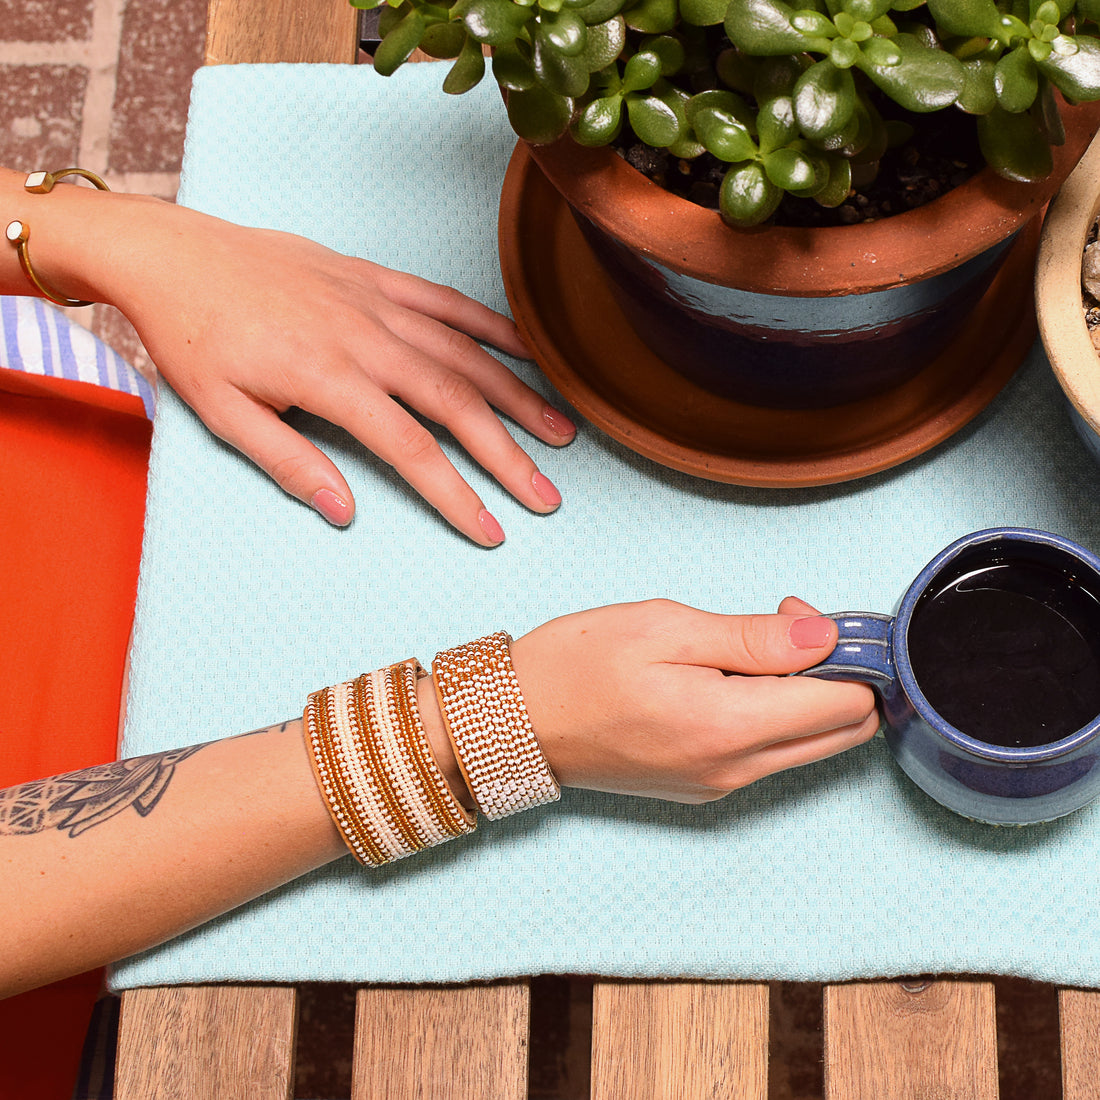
101,863
108,861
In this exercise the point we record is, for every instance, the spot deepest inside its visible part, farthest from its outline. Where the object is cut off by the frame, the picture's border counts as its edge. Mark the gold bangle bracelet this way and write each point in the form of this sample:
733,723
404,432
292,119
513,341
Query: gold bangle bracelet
41,183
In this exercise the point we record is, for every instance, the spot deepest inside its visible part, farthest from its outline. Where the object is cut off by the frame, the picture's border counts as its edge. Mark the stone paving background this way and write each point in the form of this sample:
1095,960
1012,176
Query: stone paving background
104,84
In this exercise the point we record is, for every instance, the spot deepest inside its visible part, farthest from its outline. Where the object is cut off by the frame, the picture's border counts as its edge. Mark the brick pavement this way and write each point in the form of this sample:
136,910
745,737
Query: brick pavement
102,84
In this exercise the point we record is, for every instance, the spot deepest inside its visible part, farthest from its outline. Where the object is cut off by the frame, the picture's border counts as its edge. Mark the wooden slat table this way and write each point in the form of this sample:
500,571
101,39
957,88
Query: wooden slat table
912,1040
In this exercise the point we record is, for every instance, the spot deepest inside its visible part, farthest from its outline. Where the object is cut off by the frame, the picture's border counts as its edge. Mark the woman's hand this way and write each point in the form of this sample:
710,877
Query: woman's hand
246,323
661,700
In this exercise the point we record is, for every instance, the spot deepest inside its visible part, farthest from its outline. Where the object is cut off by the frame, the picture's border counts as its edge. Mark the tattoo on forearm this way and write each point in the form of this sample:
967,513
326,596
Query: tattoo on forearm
76,802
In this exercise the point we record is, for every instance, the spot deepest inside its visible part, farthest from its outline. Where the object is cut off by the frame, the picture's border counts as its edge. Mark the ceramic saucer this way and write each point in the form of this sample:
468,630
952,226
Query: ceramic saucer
566,312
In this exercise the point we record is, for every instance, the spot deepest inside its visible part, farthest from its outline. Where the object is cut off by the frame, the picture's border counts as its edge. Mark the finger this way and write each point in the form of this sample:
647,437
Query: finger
756,644
400,440
774,710
457,310
792,605
497,384
453,400
294,463
800,751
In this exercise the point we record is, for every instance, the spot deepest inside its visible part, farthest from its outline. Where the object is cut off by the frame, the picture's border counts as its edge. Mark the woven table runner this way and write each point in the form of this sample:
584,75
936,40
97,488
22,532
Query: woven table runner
249,601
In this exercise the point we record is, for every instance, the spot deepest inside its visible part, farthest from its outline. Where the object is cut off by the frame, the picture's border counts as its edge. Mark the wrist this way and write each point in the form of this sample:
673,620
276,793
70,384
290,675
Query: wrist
74,237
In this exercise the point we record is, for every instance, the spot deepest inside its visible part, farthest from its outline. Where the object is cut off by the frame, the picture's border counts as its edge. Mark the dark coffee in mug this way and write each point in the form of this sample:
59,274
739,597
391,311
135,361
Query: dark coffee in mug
1008,651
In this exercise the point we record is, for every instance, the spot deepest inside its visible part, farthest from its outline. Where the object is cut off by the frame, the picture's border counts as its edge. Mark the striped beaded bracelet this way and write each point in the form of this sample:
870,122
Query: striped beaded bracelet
374,766
487,721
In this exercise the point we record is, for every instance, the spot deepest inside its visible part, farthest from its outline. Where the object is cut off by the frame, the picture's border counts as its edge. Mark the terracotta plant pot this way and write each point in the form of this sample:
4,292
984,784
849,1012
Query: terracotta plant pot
790,317
1058,305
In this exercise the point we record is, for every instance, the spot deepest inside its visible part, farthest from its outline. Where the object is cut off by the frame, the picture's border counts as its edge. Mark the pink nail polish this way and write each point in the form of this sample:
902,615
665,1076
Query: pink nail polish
559,423
545,490
489,525
813,632
334,508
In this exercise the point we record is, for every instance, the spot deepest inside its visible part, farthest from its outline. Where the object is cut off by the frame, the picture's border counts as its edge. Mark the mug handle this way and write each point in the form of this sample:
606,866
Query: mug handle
863,651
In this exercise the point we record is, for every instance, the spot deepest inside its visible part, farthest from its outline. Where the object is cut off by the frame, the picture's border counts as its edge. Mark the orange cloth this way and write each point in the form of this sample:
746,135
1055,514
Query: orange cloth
73,461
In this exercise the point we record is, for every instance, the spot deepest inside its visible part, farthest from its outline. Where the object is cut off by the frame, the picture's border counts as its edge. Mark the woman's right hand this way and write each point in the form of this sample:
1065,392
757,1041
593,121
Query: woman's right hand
661,700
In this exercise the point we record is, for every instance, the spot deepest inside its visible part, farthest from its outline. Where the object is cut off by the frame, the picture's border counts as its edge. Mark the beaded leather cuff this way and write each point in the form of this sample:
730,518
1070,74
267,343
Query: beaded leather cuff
488,724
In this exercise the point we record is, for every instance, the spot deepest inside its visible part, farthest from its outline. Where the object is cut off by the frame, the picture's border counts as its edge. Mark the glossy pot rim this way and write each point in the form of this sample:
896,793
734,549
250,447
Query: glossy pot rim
1038,754
803,262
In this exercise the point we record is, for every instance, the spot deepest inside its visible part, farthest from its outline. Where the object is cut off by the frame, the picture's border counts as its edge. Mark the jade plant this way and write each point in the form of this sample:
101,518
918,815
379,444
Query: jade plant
800,100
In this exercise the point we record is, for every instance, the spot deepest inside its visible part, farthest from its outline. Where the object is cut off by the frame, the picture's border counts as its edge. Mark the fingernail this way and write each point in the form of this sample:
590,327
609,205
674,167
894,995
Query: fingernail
811,633
558,423
545,490
334,508
489,525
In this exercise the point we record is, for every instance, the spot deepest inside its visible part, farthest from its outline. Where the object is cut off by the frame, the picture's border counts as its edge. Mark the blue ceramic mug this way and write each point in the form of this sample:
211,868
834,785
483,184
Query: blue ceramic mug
976,643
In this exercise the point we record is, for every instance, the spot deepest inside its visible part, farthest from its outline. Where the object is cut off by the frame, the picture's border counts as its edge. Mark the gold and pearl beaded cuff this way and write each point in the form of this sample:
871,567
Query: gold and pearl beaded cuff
487,721
374,767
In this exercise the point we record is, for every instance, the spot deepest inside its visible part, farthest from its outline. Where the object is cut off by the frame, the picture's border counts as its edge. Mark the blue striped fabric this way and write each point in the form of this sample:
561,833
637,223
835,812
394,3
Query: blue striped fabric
37,338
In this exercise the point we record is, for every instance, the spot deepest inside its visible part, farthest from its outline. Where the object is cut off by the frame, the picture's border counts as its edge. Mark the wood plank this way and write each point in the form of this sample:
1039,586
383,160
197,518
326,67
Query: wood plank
902,1040
281,30
1080,1022
212,1042
424,1042
679,1040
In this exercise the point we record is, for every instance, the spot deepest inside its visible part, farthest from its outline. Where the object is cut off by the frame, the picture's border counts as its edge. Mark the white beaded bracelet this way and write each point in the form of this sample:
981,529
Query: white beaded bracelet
487,721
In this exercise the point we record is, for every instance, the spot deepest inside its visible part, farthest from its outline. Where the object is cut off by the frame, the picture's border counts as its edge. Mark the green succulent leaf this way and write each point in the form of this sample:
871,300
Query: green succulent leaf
604,43
600,121
1016,80
967,18
814,24
791,170
775,123
538,115
923,79
763,28
558,72
366,5
599,11
719,99
563,31
399,43
651,16
775,76
1076,76
747,197
669,51
839,184
687,146
1088,9
869,10
467,70
1014,147
844,53
512,69
881,52
722,135
642,71
824,100
979,95
652,120
494,22
444,40
703,13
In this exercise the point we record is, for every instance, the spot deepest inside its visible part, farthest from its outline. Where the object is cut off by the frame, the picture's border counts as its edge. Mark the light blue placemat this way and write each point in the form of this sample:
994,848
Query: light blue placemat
248,601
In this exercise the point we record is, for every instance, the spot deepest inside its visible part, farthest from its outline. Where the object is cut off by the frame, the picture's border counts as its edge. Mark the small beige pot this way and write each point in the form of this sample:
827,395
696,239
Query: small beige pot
1058,294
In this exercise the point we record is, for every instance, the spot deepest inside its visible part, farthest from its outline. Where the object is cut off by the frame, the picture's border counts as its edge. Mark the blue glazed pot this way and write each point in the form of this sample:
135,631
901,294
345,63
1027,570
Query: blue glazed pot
989,783
790,317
